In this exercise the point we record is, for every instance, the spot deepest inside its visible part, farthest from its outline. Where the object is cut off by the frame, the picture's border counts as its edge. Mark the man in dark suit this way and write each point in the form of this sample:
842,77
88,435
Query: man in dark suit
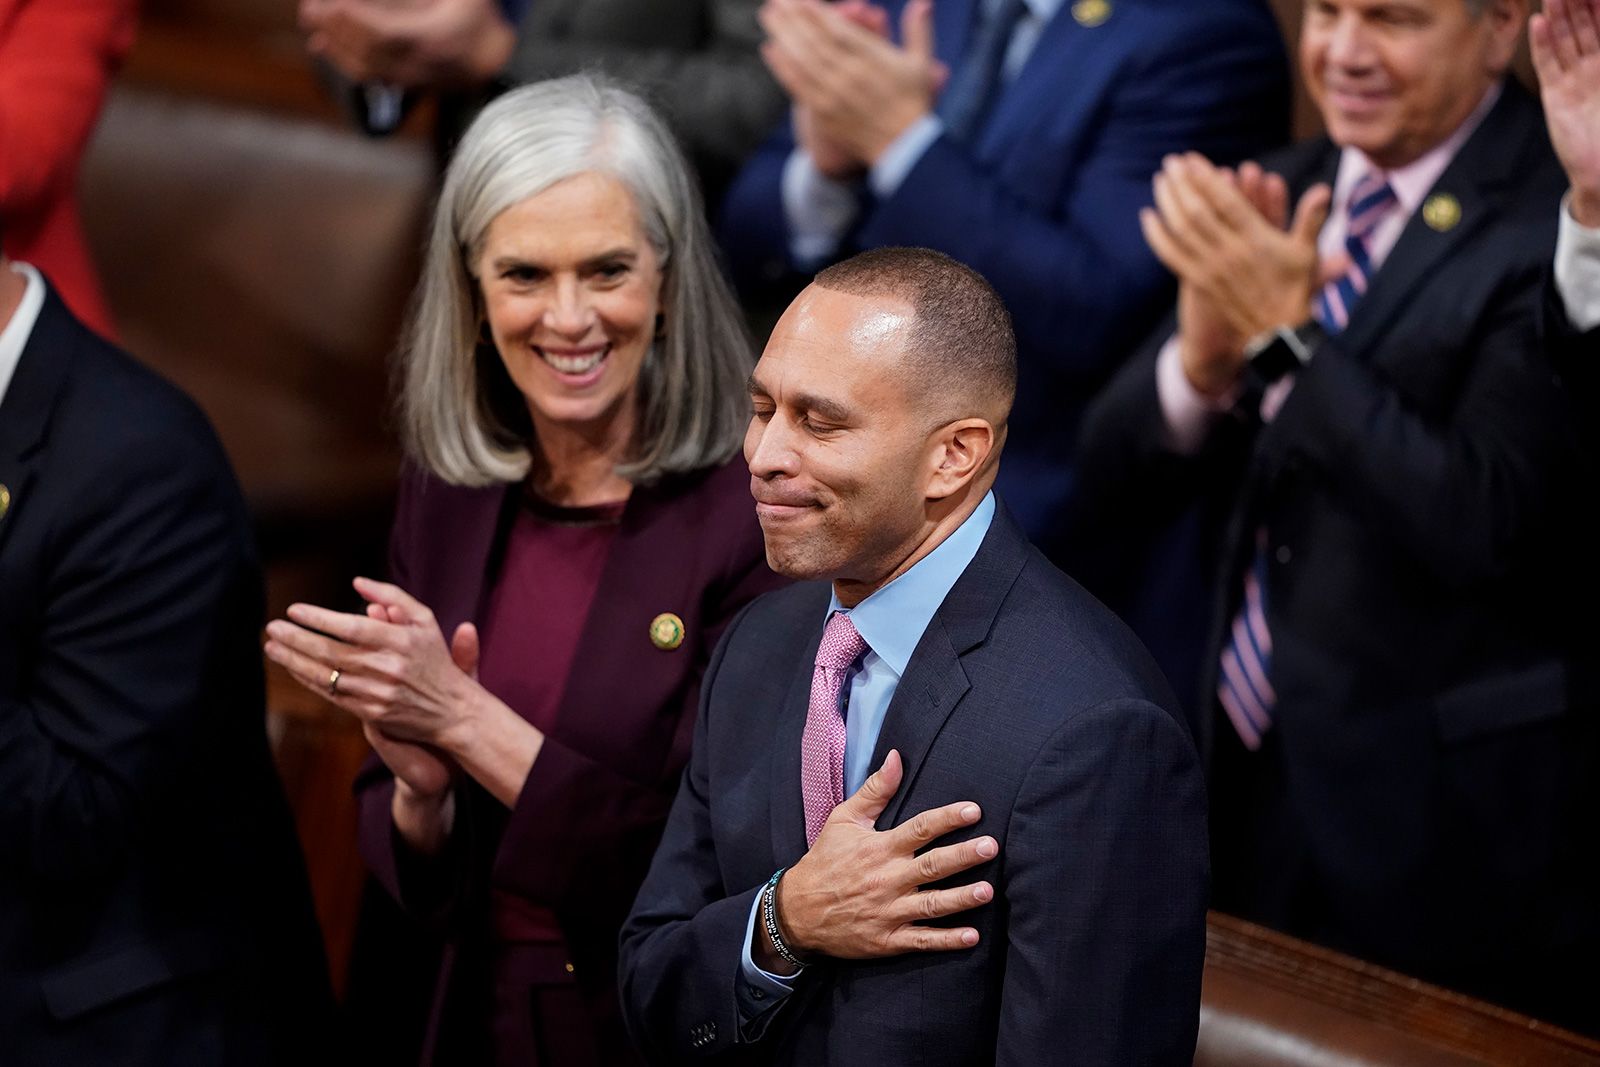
1401,754
1028,163
1021,737
153,902
1566,53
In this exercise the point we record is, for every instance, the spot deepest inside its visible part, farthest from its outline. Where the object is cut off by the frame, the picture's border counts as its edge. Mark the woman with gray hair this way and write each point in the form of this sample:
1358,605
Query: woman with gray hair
573,396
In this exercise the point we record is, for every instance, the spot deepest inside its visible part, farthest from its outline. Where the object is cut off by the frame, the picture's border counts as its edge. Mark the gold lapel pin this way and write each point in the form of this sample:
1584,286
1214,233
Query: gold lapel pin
666,631
5,500
1091,13
1441,211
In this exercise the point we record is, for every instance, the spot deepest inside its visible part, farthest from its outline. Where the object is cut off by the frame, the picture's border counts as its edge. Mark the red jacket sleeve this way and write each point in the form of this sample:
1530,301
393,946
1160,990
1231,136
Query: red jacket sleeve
57,58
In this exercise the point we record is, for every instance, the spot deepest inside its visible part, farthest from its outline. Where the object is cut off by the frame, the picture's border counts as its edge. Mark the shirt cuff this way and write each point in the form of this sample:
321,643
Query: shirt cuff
761,985
1187,412
819,210
1578,269
887,175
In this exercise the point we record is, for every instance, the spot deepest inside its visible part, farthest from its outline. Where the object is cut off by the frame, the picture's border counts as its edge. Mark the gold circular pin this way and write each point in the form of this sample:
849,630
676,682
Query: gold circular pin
5,500
1441,211
1091,13
666,631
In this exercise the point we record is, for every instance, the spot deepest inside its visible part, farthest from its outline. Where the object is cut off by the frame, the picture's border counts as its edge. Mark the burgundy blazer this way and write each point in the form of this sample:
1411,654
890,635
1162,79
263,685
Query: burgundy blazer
583,831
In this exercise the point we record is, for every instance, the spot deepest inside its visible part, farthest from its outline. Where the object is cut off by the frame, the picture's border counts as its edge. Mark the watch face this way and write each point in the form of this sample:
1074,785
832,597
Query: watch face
1275,360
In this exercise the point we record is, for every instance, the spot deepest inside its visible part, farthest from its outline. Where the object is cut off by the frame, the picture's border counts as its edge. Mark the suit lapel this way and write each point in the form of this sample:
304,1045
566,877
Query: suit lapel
952,28
1485,164
935,681
30,401
1067,52
477,539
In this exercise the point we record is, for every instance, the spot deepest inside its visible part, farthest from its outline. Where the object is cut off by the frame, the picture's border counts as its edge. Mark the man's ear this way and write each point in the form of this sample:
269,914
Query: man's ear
1507,19
957,452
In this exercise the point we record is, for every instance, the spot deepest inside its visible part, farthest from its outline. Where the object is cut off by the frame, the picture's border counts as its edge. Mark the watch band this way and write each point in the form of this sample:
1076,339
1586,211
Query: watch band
1287,348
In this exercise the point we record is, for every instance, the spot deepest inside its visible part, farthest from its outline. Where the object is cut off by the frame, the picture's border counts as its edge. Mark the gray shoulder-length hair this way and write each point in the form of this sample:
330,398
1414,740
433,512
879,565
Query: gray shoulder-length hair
462,417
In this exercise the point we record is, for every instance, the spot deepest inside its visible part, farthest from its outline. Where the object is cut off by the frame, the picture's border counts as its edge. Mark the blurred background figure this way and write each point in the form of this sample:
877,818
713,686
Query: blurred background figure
574,401
1398,709
694,59
57,58
153,900
1017,136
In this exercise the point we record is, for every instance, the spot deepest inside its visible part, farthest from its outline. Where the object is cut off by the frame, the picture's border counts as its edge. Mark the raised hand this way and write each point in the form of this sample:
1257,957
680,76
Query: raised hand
1566,55
858,892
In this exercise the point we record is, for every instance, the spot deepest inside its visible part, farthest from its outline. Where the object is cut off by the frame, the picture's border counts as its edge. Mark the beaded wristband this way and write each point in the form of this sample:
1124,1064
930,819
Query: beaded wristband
769,919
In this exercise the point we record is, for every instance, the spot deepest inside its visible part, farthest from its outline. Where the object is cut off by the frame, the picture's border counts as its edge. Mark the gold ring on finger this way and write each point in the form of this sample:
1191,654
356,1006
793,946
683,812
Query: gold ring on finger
333,682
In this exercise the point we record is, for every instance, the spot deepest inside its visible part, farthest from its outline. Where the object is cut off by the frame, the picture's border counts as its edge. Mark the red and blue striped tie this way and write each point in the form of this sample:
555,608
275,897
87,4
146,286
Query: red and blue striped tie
1371,201
1244,686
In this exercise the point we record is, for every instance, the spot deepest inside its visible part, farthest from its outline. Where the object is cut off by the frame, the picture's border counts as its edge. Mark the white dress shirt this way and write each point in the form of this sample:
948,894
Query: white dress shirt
1578,270
14,338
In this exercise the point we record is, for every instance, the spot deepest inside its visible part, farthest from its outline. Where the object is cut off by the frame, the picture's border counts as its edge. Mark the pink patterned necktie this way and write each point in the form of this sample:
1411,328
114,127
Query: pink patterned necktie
822,743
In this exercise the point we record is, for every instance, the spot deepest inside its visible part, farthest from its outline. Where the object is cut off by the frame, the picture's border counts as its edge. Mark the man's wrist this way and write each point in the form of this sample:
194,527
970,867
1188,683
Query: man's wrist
423,819
784,957
1211,375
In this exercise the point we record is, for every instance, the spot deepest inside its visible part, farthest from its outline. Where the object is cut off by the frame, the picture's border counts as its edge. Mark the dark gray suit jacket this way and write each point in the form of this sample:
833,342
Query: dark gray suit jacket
1024,695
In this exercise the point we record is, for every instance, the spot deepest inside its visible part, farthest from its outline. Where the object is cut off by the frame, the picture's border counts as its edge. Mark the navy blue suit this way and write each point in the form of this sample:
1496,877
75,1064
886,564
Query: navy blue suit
1044,203
153,900
1024,695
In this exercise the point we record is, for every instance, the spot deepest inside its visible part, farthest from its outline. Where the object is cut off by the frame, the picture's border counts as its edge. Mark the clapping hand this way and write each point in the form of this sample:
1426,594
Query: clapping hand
854,90
414,44
1243,268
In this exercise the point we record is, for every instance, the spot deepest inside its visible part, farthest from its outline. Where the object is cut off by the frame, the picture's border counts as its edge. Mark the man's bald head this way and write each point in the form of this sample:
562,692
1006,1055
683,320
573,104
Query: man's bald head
961,354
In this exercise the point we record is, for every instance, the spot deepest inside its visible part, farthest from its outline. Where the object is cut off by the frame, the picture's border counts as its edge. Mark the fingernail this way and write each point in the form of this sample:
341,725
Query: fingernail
982,891
988,848
271,650
970,813
276,627
969,937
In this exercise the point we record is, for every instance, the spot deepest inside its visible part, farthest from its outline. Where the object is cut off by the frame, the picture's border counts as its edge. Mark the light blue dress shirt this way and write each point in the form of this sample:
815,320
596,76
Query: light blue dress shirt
892,621
820,210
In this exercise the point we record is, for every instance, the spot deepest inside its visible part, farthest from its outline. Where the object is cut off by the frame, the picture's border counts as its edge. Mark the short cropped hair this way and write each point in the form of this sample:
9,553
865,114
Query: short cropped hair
462,417
962,349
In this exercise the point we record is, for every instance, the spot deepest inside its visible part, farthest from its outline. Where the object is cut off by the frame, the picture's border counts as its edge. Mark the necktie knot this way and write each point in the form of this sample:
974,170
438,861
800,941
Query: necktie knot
1371,199
841,643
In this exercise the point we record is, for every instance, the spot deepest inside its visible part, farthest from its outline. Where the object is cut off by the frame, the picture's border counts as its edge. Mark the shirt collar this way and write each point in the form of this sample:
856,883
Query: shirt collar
14,338
892,619
1412,181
